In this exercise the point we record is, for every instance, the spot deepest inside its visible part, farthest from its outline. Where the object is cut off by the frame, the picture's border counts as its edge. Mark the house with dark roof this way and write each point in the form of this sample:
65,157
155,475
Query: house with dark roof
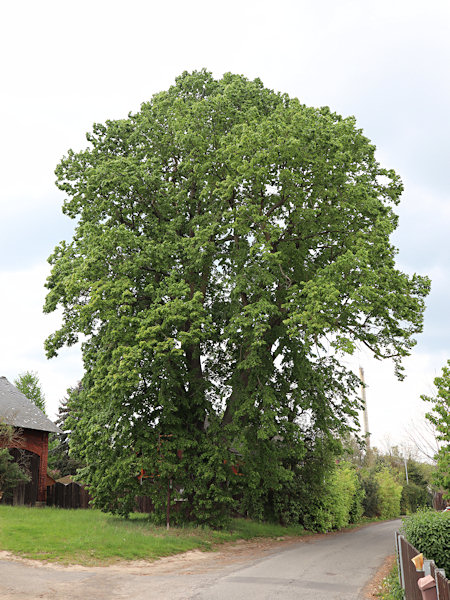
21,413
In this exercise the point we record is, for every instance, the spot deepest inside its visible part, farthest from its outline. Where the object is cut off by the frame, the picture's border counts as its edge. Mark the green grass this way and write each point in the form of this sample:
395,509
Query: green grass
91,537
391,588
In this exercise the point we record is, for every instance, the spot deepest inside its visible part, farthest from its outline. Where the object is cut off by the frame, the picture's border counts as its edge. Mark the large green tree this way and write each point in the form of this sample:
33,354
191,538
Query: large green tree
439,416
231,244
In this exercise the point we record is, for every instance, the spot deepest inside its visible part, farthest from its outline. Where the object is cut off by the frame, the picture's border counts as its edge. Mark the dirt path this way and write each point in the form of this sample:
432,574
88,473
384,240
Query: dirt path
374,586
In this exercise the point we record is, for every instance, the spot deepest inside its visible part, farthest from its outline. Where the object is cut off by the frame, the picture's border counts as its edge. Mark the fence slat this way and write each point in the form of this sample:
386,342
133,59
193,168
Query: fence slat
442,584
71,495
398,550
409,576
412,576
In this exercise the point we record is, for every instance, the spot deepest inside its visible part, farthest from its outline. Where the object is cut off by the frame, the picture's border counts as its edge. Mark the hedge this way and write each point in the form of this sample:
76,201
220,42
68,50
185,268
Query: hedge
429,532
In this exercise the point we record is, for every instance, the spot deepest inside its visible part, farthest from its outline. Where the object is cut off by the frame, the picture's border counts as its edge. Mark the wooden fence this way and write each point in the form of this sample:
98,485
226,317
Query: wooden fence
71,495
74,495
409,575
143,504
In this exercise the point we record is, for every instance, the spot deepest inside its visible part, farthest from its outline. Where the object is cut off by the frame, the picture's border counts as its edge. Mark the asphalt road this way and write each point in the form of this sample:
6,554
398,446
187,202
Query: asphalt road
329,567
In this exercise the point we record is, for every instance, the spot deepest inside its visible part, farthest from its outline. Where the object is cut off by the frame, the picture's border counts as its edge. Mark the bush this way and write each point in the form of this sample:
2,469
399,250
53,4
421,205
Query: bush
429,532
370,500
339,503
413,498
301,498
343,497
357,508
11,472
389,495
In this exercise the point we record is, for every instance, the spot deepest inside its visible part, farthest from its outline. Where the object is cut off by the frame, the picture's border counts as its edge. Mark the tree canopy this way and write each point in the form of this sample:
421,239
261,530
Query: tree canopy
439,416
28,383
231,245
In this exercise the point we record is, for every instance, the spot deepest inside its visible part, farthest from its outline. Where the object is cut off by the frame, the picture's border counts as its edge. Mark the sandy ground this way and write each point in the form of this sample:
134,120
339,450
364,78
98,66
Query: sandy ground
374,586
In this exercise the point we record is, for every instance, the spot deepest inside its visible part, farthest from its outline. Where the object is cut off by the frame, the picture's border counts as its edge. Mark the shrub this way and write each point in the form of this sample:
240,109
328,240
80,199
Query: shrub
342,495
302,498
429,532
357,508
389,494
340,501
11,472
370,500
413,498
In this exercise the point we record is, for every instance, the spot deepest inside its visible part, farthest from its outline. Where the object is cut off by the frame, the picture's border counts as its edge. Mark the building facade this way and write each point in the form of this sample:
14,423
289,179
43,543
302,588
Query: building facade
34,427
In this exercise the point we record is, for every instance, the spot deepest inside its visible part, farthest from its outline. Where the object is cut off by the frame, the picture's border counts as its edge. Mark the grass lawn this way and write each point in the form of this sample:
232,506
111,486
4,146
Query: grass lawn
90,537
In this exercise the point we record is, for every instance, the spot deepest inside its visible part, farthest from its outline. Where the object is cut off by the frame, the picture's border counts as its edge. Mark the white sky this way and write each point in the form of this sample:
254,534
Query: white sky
67,65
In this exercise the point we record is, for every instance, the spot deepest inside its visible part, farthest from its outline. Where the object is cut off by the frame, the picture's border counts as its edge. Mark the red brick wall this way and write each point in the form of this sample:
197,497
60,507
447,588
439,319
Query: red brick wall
37,442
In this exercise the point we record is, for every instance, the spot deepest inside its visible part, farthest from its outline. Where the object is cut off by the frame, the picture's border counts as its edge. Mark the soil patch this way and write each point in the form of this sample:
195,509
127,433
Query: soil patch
373,588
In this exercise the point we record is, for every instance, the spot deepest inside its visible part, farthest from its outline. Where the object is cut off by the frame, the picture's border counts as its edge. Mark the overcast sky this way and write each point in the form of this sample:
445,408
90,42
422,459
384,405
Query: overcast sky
68,65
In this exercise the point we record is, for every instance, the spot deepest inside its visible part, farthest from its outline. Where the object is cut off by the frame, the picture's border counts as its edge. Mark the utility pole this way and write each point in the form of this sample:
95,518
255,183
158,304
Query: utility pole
365,414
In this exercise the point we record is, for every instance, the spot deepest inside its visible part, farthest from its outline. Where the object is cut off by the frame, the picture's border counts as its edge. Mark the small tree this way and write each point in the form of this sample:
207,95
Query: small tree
59,443
440,418
11,472
28,383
